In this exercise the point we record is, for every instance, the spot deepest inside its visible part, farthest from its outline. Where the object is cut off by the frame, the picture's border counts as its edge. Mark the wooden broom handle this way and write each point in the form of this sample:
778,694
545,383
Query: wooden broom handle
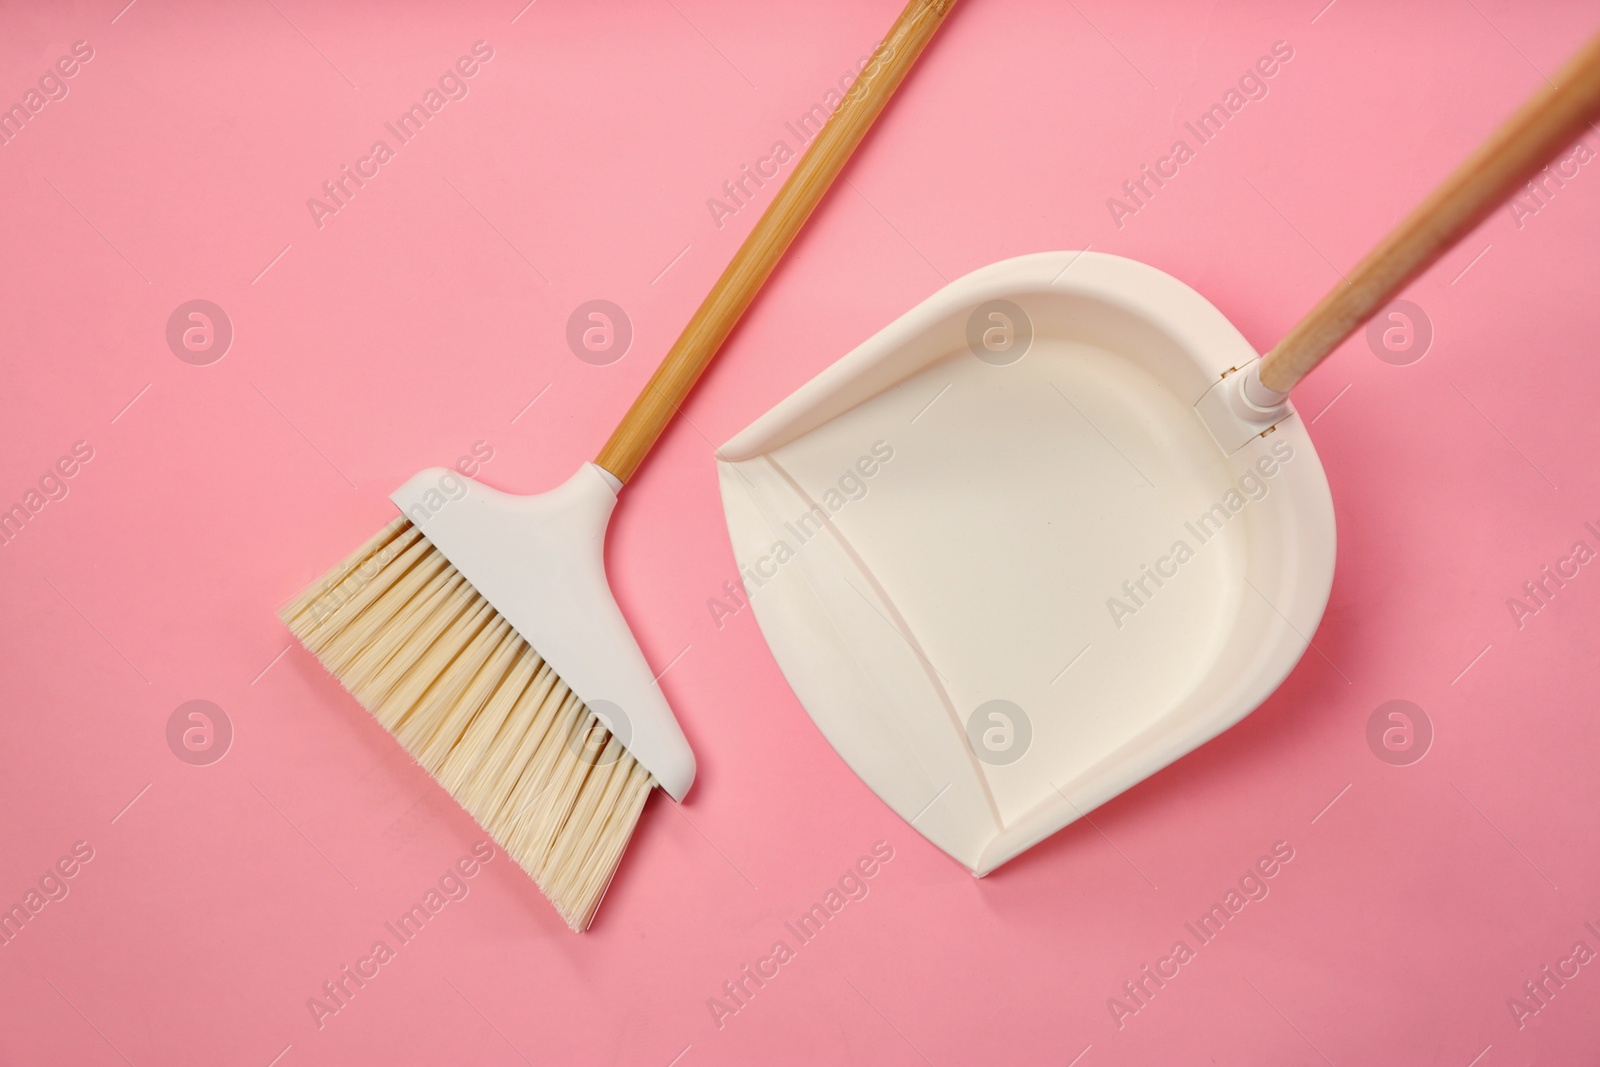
766,244
1552,119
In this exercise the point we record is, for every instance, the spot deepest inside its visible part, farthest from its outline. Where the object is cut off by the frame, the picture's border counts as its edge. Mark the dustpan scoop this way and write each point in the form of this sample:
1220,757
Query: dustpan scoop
1010,579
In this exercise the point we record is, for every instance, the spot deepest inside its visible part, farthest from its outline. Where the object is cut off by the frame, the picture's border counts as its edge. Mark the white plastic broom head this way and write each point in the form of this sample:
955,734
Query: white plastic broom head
540,562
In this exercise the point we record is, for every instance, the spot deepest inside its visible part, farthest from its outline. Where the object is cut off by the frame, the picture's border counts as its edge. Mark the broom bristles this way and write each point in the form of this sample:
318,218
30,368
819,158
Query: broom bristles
473,703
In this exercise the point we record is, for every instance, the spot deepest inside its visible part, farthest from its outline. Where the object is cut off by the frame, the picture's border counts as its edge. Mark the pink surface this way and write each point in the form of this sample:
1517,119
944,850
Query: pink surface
427,313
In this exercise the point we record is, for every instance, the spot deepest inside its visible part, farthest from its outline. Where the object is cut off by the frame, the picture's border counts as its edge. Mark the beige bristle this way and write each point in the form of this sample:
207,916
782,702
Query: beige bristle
475,705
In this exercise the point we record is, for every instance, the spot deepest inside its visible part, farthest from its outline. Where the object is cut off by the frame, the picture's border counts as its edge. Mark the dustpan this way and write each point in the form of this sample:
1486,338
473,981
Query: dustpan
1025,546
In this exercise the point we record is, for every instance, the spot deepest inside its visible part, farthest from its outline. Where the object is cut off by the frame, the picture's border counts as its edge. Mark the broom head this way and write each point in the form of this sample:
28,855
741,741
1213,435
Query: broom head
479,629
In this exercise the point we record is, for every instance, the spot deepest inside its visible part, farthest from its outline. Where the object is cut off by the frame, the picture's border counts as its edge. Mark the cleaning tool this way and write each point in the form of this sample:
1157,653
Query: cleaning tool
478,626
1058,525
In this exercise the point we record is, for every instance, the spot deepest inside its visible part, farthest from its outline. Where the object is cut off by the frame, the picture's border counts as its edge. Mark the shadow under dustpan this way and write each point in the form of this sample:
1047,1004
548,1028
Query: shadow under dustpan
1023,548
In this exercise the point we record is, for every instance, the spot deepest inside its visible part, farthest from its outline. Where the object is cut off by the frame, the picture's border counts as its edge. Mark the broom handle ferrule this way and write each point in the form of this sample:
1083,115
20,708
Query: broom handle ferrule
1553,118
759,254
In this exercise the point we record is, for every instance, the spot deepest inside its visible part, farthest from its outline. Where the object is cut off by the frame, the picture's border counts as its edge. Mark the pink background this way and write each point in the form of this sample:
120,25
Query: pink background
426,315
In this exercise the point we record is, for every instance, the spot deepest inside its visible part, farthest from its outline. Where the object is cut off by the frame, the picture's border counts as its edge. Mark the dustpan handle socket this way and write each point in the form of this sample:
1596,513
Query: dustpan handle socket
1258,399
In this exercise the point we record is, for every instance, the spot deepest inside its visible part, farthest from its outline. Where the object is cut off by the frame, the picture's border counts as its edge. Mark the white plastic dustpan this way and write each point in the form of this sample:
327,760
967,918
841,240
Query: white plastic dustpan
1058,525
1018,551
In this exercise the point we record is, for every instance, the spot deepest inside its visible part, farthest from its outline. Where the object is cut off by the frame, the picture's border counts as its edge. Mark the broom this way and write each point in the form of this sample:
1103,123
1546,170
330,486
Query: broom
478,626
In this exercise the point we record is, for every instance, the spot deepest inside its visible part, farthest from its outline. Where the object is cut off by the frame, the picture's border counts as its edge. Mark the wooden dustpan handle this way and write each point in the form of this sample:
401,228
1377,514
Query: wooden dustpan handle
1551,120
766,244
